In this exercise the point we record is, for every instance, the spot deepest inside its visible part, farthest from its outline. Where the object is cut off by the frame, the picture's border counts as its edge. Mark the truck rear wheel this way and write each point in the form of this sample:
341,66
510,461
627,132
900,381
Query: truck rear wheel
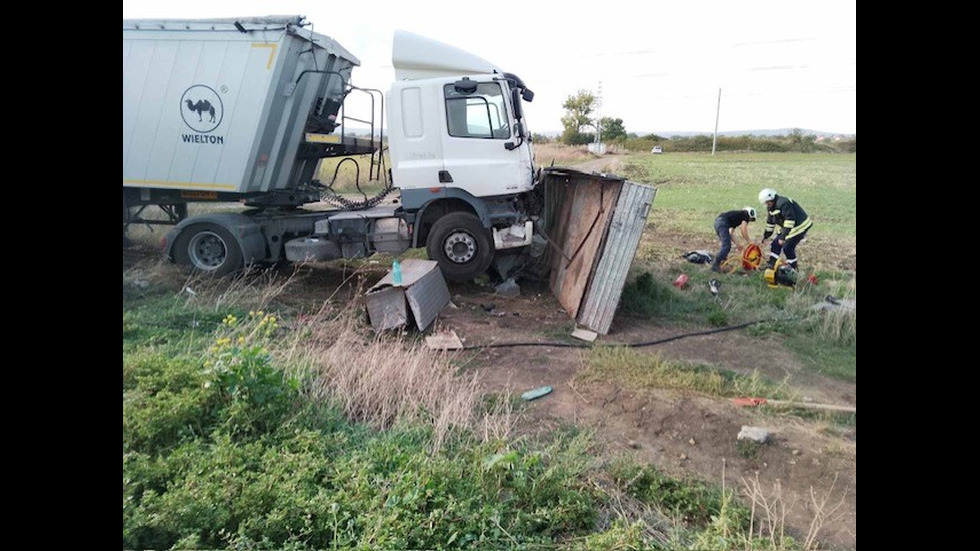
461,246
209,248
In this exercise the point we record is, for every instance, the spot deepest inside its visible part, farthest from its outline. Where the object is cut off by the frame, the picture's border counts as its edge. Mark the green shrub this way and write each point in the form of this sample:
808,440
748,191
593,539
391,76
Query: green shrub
652,298
165,402
253,394
621,536
718,318
690,500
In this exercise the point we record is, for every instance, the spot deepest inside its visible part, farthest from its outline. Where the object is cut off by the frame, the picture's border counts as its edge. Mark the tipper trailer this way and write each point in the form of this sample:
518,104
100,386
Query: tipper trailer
245,109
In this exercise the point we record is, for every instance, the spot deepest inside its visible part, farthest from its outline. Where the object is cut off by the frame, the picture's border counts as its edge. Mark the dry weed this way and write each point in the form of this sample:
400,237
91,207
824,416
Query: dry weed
253,288
768,512
547,154
385,380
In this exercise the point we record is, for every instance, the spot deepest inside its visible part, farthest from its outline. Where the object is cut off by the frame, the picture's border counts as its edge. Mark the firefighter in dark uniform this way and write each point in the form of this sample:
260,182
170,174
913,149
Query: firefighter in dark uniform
793,221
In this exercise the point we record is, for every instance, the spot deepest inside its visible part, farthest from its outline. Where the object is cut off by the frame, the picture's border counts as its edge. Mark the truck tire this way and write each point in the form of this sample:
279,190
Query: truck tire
208,247
461,246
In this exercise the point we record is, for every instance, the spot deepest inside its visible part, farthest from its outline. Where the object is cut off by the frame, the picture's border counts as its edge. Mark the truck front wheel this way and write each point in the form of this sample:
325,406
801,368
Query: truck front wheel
209,248
461,246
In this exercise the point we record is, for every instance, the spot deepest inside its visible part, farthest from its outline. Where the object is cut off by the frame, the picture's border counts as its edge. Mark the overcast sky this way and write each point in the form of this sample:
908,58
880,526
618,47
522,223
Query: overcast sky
659,64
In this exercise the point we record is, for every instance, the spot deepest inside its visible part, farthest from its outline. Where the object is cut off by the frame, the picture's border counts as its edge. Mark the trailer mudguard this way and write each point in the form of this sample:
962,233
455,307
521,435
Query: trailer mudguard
423,199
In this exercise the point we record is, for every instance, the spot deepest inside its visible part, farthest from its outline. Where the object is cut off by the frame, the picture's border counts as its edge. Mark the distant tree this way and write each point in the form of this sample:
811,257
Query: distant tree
573,137
611,129
578,109
802,142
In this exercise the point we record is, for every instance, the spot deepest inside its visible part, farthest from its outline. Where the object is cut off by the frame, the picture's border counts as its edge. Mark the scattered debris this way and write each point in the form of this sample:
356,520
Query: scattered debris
141,283
692,441
834,303
420,297
633,444
536,393
752,402
190,291
488,307
444,341
681,281
698,257
585,334
755,434
508,288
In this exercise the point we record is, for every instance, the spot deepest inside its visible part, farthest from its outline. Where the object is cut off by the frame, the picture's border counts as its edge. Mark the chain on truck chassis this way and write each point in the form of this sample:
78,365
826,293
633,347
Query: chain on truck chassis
329,195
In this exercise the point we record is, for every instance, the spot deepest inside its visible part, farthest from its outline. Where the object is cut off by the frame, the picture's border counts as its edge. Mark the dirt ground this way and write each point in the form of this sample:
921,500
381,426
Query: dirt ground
685,434
808,470
810,466
681,433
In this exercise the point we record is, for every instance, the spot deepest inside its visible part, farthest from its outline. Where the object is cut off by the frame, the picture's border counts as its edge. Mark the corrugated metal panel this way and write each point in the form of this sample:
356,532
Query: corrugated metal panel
583,211
424,289
618,250
428,297
386,308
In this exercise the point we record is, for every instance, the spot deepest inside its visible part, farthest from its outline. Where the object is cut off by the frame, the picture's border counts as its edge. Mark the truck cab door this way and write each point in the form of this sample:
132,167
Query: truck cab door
480,147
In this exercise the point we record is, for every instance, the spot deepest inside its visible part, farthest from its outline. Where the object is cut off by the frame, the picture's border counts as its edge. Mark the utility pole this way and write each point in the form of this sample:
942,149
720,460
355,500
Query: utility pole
598,119
596,146
714,140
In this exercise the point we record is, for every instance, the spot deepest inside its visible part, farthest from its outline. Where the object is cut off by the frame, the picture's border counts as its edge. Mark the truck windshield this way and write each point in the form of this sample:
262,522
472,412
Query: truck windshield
482,114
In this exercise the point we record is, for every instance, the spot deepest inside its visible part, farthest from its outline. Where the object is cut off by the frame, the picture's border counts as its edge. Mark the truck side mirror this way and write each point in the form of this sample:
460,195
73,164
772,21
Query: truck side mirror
527,95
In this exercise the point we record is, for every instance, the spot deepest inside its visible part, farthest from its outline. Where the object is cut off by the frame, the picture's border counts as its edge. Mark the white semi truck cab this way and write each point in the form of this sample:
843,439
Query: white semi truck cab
245,109
460,153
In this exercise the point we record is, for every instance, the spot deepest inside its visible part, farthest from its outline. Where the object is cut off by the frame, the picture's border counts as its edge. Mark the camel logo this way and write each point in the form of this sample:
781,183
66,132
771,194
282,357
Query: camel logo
201,108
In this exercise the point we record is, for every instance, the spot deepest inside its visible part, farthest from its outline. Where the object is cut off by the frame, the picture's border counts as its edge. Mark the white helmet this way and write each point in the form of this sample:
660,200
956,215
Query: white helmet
751,212
767,194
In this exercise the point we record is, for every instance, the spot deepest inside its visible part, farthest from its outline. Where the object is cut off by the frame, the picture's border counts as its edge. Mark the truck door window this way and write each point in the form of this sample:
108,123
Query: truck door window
482,114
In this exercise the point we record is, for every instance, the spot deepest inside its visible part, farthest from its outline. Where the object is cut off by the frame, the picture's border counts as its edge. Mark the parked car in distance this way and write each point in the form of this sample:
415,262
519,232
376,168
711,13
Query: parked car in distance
657,149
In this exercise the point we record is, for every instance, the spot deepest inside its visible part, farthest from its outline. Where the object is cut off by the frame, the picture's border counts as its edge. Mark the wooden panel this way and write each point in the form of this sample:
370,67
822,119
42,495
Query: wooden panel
579,227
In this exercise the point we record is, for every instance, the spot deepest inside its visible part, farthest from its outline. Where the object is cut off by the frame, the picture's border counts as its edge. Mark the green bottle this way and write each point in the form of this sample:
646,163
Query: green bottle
396,272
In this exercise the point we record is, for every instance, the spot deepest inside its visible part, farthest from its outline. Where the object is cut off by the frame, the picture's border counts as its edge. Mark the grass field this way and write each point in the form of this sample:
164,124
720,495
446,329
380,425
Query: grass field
244,428
693,188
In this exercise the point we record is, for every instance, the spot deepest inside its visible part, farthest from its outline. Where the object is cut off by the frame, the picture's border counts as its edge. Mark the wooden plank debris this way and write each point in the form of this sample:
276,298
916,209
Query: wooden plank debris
444,341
